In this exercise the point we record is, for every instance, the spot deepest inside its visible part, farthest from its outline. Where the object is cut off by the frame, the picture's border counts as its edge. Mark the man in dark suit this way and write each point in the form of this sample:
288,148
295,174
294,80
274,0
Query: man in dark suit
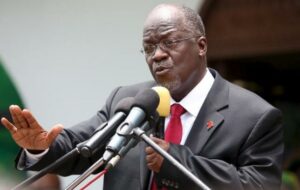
230,138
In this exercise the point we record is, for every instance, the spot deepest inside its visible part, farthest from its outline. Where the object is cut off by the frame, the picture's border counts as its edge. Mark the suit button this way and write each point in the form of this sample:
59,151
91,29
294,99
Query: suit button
168,182
172,183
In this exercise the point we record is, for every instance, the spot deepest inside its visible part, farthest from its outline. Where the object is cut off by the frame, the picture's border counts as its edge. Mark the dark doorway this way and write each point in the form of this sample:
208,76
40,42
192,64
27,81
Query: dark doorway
256,44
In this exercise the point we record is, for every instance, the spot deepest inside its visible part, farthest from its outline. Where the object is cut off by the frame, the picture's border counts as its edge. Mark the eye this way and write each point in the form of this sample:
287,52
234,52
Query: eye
149,48
169,43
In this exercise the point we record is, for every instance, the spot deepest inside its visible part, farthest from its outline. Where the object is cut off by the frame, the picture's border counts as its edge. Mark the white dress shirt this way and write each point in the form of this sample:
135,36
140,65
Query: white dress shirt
192,103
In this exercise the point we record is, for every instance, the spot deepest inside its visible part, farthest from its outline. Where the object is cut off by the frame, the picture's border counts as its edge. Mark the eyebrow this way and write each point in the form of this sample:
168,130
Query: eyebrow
161,36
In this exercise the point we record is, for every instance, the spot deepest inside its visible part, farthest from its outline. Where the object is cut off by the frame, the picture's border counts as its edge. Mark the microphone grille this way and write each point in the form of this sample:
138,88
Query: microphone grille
124,105
163,108
148,100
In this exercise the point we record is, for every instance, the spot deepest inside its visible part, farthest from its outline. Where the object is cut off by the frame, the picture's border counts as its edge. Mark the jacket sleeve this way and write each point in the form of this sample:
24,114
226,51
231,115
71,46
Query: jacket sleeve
67,140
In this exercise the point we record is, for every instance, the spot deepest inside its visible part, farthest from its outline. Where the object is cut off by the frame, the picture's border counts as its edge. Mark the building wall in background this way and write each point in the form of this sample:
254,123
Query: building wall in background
67,55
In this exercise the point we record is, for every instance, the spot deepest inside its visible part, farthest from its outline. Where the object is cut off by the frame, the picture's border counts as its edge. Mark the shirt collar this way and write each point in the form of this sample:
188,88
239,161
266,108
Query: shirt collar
194,100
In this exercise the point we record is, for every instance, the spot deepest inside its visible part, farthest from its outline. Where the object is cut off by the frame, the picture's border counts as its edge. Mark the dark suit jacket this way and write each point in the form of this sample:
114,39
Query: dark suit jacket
242,150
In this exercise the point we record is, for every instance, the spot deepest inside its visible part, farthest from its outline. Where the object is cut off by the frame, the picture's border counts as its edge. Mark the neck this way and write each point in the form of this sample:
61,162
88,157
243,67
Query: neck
186,87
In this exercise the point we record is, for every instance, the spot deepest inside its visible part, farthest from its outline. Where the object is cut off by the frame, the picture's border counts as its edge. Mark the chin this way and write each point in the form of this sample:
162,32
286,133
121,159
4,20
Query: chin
171,85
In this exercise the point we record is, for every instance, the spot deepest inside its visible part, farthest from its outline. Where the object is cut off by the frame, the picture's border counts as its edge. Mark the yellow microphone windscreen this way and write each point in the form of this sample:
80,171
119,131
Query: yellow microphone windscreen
163,108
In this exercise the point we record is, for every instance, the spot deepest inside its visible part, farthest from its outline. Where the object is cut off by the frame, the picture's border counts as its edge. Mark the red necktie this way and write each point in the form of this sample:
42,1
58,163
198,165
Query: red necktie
173,132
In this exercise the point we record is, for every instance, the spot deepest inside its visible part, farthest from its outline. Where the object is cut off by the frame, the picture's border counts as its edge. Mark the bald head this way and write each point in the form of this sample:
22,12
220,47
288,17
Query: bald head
182,16
175,48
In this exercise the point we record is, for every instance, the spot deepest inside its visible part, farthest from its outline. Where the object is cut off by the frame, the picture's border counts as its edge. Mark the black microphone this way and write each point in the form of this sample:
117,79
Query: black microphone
106,130
163,110
144,106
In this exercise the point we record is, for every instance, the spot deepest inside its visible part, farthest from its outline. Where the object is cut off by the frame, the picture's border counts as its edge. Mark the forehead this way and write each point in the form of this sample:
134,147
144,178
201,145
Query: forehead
163,21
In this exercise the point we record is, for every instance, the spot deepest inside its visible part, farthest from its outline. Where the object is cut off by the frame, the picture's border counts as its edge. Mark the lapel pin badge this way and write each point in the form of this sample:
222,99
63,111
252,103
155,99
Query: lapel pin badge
209,124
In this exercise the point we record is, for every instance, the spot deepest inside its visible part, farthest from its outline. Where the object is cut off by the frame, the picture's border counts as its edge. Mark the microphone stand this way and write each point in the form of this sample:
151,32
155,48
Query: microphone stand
47,169
86,174
141,134
111,162
86,148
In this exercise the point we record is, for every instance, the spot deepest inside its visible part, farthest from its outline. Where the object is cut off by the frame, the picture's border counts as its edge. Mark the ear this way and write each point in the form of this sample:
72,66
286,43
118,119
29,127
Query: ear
202,44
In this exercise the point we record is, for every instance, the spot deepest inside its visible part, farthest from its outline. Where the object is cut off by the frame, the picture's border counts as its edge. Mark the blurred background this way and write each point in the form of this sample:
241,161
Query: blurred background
61,59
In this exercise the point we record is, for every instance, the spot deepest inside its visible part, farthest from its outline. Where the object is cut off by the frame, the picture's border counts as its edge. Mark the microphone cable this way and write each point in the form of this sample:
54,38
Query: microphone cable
94,179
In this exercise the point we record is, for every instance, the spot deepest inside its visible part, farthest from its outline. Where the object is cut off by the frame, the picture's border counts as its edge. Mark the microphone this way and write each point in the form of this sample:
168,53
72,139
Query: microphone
144,105
106,130
163,107
163,110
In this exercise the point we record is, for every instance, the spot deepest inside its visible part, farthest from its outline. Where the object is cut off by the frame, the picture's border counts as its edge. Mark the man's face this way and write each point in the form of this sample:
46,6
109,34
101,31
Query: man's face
176,66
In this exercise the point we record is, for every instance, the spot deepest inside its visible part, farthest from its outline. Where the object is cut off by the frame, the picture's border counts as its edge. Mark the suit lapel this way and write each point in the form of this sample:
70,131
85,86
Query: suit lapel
200,133
209,117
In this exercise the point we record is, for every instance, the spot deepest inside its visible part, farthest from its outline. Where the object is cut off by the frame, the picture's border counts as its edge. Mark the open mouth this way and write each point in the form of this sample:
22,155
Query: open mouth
161,70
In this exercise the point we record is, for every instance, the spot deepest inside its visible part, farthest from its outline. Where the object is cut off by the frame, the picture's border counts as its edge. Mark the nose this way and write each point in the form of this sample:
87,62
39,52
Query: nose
159,54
